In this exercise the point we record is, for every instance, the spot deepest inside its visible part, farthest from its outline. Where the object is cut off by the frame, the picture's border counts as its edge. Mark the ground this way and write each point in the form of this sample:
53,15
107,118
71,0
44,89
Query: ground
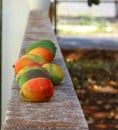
94,75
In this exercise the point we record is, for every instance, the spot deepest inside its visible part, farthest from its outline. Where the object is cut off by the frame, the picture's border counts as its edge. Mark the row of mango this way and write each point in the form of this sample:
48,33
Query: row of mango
36,74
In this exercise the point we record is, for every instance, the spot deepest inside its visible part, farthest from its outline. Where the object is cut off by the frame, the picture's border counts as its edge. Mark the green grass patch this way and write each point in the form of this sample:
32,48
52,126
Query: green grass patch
101,25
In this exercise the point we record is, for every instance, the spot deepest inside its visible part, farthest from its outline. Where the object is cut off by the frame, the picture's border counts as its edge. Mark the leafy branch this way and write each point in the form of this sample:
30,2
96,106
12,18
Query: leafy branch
91,2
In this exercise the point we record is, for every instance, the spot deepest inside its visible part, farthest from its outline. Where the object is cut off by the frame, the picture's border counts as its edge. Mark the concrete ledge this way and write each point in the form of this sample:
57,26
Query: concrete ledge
63,111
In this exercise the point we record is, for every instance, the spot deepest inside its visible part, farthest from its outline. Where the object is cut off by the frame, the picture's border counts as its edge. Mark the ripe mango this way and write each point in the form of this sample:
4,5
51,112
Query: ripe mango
26,69
36,58
21,63
40,72
43,53
25,60
37,64
37,90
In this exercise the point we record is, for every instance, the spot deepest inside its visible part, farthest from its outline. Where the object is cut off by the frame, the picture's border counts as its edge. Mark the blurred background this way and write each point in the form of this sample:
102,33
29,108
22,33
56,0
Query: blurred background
88,37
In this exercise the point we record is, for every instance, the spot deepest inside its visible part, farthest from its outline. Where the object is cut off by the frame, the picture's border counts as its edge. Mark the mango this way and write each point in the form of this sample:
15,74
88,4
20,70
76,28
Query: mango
40,72
43,43
35,58
37,64
25,60
21,63
55,71
37,90
26,69
43,53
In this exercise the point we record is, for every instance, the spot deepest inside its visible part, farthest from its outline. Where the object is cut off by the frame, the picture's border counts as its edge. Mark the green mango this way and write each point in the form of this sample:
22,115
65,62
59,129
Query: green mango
41,72
43,43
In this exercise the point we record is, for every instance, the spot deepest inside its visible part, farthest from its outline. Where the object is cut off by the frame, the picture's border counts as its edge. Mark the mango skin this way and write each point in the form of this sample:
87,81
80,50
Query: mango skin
43,53
35,58
37,90
43,43
26,60
26,69
55,71
21,63
37,64
41,72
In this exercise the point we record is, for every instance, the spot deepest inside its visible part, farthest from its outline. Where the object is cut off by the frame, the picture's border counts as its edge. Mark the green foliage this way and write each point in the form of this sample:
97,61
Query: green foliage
91,2
91,20
90,66
100,25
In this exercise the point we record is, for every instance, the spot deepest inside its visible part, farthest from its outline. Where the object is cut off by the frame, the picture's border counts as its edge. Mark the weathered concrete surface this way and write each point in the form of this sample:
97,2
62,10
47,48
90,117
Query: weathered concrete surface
63,111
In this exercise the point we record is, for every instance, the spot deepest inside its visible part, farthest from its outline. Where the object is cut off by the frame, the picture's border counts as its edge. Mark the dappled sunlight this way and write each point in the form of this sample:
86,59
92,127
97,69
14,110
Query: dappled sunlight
103,89
95,78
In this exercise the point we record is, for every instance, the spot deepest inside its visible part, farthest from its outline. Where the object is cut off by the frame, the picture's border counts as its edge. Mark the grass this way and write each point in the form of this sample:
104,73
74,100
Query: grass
84,24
